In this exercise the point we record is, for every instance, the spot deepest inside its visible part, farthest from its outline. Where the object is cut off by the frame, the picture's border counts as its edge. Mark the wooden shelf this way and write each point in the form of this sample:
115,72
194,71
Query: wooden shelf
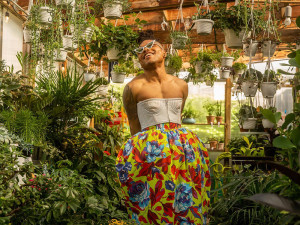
256,133
215,150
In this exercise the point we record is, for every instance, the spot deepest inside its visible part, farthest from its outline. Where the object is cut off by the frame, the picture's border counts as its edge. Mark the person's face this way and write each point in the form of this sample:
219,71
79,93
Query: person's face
151,57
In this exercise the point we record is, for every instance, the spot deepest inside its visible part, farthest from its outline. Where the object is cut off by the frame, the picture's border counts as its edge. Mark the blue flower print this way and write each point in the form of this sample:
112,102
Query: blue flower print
143,136
135,217
154,151
123,169
170,185
189,152
128,148
139,192
184,221
183,197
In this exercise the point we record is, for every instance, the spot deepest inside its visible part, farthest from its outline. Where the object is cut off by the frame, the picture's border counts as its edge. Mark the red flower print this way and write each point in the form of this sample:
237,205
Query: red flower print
106,152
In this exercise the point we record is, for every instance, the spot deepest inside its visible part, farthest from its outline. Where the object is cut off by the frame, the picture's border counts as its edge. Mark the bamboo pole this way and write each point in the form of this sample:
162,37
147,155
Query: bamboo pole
227,127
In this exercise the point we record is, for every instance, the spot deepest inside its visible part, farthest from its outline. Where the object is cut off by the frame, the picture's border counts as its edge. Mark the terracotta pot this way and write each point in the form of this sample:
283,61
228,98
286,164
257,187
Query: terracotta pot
219,119
213,144
210,119
220,146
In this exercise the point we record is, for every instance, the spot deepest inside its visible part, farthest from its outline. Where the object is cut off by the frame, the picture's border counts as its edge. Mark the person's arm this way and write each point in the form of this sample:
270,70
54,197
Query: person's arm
130,106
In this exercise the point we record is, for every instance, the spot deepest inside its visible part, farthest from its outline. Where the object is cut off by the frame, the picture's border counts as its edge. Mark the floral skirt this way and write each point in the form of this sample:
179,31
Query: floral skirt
164,175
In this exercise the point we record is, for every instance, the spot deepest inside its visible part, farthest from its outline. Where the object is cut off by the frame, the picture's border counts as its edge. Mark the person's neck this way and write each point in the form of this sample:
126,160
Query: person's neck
156,74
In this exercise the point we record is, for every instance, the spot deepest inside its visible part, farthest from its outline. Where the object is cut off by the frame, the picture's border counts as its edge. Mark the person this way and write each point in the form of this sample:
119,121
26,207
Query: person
163,169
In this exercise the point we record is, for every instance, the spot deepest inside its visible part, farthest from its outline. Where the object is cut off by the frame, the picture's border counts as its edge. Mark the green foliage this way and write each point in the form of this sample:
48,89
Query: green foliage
174,61
235,54
108,36
99,4
252,75
248,150
201,13
210,107
246,112
239,66
271,76
189,111
218,109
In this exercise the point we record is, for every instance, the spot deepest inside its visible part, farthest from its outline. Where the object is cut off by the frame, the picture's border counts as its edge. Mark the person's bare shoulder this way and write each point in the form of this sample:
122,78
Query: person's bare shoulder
181,83
136,82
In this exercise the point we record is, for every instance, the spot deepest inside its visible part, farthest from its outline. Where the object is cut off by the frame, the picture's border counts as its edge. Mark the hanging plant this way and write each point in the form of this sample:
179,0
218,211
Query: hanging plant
179,39
112,8
239,68
116,41
202,20
173,63
269,83
247,116
249,82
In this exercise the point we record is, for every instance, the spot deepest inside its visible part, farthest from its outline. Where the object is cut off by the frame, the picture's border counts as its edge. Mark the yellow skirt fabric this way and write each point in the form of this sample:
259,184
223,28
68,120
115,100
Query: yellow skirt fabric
164,174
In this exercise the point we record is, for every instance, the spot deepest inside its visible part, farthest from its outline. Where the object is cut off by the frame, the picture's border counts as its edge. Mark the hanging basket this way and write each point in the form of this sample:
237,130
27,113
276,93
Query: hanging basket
204,26
268,89
239,72
234,41
234,78
103,90
45,15
224,74
226,61
198,67
267,124
60,55
188,120
249,88
89,77
27,35
117,77
253,50
208,83
170,70
179,42
87,34
137,64
112,10
112,54
250,124
68,43
266,45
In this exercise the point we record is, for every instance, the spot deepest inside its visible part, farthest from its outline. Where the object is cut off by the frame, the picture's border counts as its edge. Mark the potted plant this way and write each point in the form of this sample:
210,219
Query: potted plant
228,58
267,124
234,23
221,144
69,43
90,75
173,63
247,117
118,73
204,61
87,33
210,108
250,49
213,142
269,83
210,79
218,112
202,21
179,39
30,30
268,48
116,42
45,13
224,73
113,9
188,114
103,88
239,68
60,54
250,79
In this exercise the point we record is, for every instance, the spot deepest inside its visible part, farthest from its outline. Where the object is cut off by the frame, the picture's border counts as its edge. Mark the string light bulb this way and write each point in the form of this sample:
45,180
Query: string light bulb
6,17
288,14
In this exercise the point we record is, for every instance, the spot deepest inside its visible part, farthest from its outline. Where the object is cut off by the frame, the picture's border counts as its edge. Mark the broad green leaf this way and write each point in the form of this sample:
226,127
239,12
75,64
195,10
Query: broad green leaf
246,140
297,106
283,143
285,72
277,116
297,58
296,136
292,54
294,63
298,21
288,119
63,208
268,114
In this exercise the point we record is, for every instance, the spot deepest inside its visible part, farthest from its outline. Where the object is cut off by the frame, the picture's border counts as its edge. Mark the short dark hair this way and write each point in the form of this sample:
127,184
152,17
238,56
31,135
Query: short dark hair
146,35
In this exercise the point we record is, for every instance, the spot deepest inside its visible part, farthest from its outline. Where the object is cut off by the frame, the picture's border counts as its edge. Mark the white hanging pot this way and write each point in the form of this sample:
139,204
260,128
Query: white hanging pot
45,15
112,10
179,42
253,50
89,77
65,2
268,47
170,70
112,53
250,124
87,34
198,66
234,41
103,90
234,78
117,77
249,88
224,74
204,26
268,89
68,43
226,61
27,35
60,55
267,123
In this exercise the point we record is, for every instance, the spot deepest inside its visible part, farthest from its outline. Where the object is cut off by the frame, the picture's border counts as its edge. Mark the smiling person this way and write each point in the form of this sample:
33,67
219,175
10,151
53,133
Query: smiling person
163,168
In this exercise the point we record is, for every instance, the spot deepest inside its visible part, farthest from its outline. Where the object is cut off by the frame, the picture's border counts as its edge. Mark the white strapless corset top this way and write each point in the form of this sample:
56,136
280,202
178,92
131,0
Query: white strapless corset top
154,111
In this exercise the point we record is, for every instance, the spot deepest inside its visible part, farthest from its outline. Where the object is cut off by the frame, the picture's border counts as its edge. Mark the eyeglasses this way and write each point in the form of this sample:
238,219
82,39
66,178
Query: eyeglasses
149,45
